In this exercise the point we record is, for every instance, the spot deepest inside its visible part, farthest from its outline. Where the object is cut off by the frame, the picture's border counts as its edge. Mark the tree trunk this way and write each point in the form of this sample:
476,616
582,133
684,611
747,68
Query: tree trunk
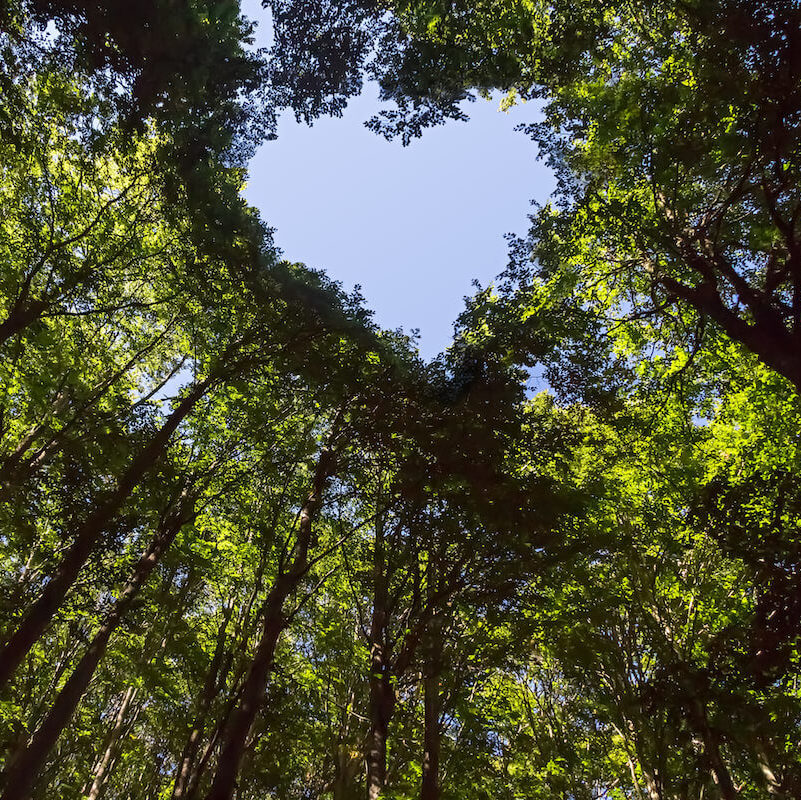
242,635
382,706
429,789
382,694
30,762
774,785
712,754
199,767
233,748
346,767
432,704
112,745
33,624
647,768
20,317
244,715
210,690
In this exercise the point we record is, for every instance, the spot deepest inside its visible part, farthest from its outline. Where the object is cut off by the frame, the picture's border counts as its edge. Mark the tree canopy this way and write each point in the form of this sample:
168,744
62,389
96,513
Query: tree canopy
251,545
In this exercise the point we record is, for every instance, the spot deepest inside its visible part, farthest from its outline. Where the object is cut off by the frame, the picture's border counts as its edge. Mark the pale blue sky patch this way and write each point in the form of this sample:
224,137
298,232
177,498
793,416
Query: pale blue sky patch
413,226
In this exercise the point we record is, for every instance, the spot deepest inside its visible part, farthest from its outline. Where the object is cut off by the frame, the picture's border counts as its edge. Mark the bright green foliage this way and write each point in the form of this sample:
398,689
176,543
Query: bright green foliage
673,130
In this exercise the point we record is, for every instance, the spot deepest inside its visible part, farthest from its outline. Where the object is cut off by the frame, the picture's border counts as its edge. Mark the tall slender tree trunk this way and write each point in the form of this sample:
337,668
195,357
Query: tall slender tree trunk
647,768
244,714
112,746
432,698
242,634
340,783
346,768
210,690
233,747
429,788
33,624
382,707
651,785
29,763
180,604
382,694
345,765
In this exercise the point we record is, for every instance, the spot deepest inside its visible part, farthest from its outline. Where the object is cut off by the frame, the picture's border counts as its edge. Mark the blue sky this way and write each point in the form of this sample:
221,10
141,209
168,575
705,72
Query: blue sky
413,226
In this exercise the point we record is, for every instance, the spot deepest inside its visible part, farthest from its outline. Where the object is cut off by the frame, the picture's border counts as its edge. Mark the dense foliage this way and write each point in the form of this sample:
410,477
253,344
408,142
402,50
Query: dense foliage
252,546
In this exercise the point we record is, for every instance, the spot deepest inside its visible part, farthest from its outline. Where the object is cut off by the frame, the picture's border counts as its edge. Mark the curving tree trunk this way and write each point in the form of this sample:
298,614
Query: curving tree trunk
382,707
